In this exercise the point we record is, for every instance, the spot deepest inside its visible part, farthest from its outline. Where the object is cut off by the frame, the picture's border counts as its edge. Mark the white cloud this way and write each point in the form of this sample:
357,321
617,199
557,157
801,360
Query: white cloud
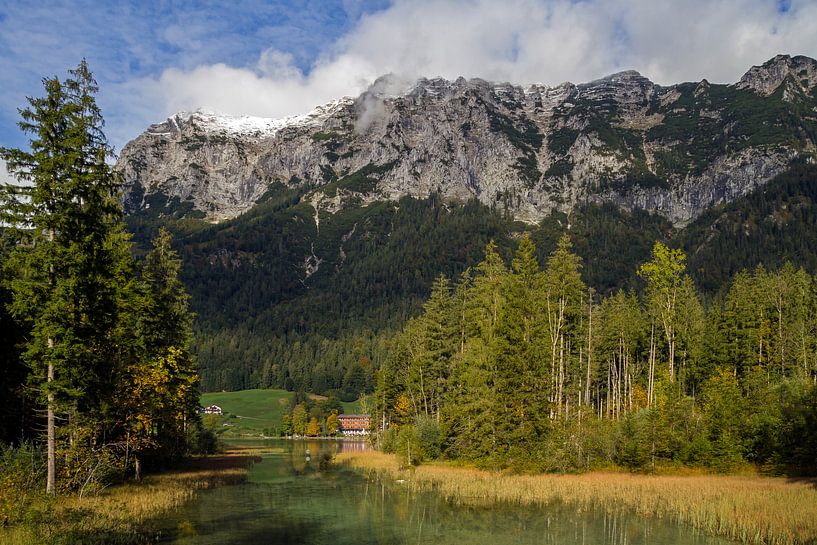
275,88
521,41
5,177
532,41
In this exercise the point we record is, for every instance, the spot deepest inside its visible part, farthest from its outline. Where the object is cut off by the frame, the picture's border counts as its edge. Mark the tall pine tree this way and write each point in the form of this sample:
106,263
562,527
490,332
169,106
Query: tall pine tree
65,218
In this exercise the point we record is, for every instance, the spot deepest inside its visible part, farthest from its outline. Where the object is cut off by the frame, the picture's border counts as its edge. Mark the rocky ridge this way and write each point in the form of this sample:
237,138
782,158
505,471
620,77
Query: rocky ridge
675,150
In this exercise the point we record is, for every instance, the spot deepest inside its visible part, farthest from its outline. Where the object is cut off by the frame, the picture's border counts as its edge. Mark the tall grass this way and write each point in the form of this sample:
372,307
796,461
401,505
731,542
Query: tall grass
749,509
123,514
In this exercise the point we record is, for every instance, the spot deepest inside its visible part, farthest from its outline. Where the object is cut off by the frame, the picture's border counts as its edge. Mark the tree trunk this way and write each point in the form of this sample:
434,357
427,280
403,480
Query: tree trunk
51,425
671,342
423,393
589,352
137,468
760,341
561,373
51,434
651,382
780,338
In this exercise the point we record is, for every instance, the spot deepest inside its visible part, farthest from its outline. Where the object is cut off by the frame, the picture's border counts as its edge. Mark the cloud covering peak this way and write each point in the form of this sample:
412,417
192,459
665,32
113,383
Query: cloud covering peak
521,41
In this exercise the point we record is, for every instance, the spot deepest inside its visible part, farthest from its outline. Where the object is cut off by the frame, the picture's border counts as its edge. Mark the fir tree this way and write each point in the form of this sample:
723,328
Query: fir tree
563,291
63,270
164,319
521,387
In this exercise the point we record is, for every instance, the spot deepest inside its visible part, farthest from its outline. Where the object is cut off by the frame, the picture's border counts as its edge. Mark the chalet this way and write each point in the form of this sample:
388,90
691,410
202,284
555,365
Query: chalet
212,409
354,424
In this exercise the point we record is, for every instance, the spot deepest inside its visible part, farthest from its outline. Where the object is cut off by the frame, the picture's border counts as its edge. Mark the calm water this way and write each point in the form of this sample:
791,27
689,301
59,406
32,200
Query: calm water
288,500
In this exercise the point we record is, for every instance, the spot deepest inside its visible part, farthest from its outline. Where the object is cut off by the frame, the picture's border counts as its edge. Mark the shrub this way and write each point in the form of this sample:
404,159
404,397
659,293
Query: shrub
408,445
429,437
388,440
203,440
22,480
91,468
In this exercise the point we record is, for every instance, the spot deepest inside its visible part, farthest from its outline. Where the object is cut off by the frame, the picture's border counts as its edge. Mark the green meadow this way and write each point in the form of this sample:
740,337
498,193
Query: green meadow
253,412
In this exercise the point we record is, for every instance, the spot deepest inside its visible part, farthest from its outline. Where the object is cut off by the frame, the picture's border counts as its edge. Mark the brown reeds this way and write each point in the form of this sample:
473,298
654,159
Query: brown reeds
749,509
124,513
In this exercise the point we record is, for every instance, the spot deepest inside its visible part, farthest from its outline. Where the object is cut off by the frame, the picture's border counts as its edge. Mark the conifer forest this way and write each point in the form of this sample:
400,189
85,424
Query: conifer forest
390,272
95,344
521,365
602,338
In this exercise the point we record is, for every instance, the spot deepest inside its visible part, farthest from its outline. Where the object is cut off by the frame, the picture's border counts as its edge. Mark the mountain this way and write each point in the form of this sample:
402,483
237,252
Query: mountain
675,151
308,241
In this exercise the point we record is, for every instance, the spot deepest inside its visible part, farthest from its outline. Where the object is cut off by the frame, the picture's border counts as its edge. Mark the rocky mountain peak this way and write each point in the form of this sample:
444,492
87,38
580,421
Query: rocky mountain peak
625,78
766,78
673,150
389,86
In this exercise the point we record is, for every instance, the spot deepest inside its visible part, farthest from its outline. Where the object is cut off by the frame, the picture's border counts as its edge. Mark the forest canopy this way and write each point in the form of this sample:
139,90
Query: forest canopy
95,345
526,367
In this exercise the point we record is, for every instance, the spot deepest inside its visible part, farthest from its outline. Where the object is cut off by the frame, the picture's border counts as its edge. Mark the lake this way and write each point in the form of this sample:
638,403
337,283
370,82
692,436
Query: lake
290,499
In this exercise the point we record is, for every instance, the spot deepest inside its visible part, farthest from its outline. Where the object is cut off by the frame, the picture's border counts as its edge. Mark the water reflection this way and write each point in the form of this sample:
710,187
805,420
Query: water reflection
289,499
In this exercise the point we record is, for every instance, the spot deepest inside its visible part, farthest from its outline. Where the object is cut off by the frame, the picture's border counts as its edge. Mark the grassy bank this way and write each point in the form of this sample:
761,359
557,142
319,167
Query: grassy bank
124,514
756,510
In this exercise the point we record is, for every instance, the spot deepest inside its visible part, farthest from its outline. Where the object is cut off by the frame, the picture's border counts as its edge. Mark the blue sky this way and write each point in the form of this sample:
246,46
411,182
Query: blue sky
132,40
277,58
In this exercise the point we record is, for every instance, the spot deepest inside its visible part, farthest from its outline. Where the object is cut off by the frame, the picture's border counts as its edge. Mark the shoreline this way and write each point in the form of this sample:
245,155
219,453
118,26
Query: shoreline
747,509
297,438
126,513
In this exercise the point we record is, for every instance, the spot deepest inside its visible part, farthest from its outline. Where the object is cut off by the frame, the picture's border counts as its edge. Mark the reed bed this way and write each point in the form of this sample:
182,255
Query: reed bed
748,509
123,514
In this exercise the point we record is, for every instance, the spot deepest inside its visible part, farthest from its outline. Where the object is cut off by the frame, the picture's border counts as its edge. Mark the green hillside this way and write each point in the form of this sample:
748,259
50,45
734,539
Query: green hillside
254,412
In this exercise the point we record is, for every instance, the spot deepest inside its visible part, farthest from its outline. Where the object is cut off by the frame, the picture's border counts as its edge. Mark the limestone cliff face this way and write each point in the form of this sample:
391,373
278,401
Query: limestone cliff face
675,150
765,79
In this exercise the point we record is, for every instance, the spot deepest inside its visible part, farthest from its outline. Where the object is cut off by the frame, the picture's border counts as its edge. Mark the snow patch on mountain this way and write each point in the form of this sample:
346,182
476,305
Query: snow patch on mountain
674,150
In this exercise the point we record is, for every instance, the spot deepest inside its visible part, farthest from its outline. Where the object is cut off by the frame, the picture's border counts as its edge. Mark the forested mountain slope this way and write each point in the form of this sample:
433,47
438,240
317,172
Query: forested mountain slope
308,241
267,316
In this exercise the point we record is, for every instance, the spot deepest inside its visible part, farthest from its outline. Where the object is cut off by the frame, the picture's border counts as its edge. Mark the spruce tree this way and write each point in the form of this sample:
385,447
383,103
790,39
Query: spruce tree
165,318
439,343
65,218
520,374
740,324
160,384
563,291
471,416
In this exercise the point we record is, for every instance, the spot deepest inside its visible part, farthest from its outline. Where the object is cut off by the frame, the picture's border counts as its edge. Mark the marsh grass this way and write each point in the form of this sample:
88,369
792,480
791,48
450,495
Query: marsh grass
124,514
749,509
